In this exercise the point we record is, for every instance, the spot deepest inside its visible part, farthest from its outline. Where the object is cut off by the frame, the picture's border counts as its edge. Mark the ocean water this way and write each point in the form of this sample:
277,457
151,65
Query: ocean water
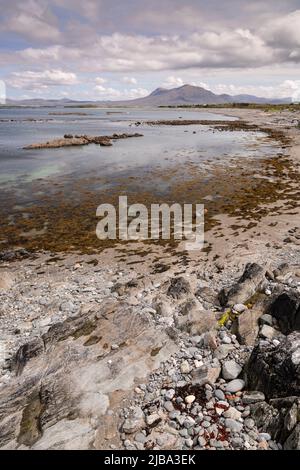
57,182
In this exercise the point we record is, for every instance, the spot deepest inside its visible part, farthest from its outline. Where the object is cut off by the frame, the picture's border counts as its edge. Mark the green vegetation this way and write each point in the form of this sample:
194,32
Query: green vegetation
293,107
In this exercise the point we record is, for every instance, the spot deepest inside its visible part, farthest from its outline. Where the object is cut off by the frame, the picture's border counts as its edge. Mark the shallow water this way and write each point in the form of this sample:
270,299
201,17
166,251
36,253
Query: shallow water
155,165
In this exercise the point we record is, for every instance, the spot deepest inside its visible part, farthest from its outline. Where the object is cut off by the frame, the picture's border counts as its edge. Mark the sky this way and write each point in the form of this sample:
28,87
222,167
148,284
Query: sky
123,49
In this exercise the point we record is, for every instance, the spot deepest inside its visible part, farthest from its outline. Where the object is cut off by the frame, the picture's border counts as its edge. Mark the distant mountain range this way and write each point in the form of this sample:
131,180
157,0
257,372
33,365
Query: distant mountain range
184,95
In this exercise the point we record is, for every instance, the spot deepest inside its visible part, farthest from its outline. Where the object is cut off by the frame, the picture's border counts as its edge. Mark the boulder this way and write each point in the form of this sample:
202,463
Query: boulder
275,370
286,310
245,327
245,287
268,332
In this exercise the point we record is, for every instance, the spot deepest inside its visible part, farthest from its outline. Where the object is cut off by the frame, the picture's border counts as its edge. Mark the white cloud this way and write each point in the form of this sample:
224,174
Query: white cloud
129,80
286,89
283,31
114,94
172,82
100,80
30,80
34,20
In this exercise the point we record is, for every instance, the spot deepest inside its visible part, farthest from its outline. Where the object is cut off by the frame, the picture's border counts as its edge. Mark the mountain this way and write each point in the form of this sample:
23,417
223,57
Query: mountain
189,95
184,95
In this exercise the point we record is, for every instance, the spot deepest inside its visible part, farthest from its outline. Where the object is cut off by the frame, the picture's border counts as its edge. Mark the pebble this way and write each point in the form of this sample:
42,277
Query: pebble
231,370
263,436
185,367
233,425
190,399
235,386
169,406
219,394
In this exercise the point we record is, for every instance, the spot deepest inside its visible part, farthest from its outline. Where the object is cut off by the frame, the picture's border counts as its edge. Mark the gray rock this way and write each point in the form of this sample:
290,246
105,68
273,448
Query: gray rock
219,394
204,375
268,332
235,386
250,398
247,285
266,319
275,371
231,370
140,437
233,425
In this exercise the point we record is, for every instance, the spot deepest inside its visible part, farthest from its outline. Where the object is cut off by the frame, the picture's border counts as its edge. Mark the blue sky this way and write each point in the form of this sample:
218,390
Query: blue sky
123,49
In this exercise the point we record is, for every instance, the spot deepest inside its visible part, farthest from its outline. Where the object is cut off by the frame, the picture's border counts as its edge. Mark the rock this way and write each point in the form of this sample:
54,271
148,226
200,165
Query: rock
231,370
6,280
140,437
263,436
210,340
249,398
232,413
233,425
201,441
222,351
239,308
293,441
286,310
197,320
169,406
266,319
263,445
268,332
245,327
235,386
190,399
164,309
205,375
249,423
245,288
153,418
219,394
275,370
178,287
208,295
185,367
78,140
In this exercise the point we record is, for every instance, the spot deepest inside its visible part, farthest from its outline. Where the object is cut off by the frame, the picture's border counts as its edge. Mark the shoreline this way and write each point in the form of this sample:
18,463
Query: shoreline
69,296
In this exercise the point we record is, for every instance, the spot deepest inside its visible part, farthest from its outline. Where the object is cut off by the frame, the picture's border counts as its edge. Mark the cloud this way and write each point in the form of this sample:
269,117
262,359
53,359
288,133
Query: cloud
30,80
114,94
32,19
286,89
283,31
100,80
172,82
130,80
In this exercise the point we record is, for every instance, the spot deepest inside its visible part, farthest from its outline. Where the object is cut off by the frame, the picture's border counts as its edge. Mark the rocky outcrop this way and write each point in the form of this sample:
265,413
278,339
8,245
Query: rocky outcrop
275,370
66,378
246,286
78,140
286,310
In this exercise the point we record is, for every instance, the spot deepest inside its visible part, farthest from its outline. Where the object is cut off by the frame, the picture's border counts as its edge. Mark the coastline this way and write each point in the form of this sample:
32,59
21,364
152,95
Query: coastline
117,291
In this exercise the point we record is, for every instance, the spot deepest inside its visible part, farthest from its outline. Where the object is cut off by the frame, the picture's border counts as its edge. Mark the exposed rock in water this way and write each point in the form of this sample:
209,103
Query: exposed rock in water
70,141
275,370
